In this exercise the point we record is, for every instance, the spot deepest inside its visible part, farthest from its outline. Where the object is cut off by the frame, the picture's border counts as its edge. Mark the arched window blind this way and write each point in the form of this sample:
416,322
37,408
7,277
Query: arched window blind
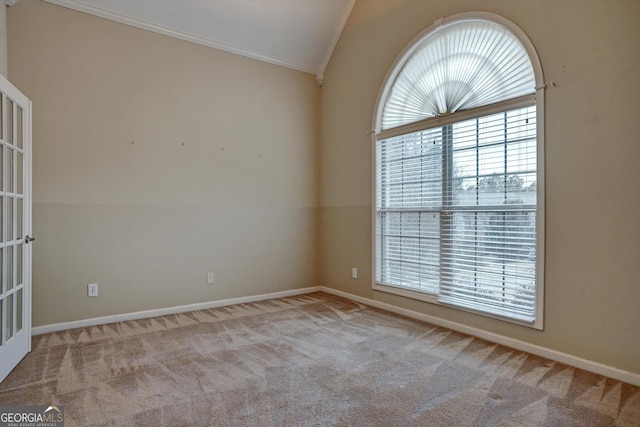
460,66
457,173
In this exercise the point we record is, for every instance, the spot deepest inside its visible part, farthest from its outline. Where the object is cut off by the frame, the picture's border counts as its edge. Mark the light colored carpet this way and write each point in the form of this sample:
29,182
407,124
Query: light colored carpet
312,360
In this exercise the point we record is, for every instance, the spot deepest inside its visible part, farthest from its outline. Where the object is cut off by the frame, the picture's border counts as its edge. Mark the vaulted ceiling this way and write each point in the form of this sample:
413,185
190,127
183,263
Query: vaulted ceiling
298,34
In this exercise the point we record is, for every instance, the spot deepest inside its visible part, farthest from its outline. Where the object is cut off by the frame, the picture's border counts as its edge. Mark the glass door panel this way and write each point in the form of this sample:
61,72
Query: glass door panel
15,225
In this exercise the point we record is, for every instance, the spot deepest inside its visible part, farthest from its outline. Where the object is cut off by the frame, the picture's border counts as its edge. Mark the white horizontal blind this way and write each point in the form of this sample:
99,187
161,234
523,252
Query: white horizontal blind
489,215
456,213
459,66
456,196
409,204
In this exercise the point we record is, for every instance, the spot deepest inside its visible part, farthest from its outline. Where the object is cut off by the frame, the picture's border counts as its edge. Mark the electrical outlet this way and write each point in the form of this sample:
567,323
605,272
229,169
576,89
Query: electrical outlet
210,278
92,290
354,273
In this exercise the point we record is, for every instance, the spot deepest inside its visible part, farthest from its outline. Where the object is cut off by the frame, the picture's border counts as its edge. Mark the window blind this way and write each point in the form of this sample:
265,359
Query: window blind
489,215
457,174
456,213
459,66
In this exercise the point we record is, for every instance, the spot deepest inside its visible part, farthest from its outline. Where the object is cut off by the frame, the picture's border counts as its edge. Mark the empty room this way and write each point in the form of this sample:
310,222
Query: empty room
320,212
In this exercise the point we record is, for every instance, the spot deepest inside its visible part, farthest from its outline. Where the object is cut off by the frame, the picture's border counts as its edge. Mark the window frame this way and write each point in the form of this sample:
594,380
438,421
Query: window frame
537,99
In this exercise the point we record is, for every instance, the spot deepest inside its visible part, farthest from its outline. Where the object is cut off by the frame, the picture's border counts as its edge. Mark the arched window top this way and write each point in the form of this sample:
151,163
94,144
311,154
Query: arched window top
461,65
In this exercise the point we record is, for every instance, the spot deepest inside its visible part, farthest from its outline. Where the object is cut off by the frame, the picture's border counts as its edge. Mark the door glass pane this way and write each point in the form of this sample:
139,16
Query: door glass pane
19,214
2,227
9,175
9,320
1,116
3,286
9,133
8,253
19,135
19,264
9,215
19,311
19,177
1,321
2,150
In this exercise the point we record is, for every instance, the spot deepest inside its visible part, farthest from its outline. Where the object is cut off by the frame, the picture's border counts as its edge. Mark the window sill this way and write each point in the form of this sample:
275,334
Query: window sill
434,299
404,292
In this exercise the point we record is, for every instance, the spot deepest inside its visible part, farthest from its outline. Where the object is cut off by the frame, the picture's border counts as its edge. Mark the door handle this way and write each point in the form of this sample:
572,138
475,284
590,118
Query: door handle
28,239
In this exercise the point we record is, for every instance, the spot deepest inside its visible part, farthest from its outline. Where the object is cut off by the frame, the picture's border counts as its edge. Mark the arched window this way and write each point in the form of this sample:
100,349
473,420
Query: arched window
459,168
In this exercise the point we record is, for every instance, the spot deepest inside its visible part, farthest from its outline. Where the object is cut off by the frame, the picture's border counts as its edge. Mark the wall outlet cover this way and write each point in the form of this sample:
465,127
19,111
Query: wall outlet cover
92,290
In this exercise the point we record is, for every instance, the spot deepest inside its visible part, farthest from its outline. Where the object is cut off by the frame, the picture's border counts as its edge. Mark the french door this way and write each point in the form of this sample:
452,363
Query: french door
15,226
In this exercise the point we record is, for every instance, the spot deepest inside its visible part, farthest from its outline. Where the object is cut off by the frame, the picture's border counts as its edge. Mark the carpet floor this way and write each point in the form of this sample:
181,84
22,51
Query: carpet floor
310,360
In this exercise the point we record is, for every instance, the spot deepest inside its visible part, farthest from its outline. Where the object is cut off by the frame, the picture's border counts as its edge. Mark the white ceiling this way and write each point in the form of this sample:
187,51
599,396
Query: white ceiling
298,34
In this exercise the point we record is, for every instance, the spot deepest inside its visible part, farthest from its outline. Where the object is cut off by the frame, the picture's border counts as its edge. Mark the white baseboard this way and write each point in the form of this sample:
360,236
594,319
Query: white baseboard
578,362
94,321
568,359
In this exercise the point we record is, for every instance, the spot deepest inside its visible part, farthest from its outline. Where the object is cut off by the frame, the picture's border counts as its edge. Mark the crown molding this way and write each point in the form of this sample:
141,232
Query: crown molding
182,35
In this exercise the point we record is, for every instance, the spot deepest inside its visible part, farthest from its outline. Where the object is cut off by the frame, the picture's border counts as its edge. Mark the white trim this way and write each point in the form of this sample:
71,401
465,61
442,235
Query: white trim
334,42
28,215
94,321
458,116
541,210
178,34
404,292
575,361
10,3
434,299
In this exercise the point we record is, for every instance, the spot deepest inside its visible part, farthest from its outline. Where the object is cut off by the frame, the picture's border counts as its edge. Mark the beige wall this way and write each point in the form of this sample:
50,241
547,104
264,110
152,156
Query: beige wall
3,40
147,219
157,160
591,50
